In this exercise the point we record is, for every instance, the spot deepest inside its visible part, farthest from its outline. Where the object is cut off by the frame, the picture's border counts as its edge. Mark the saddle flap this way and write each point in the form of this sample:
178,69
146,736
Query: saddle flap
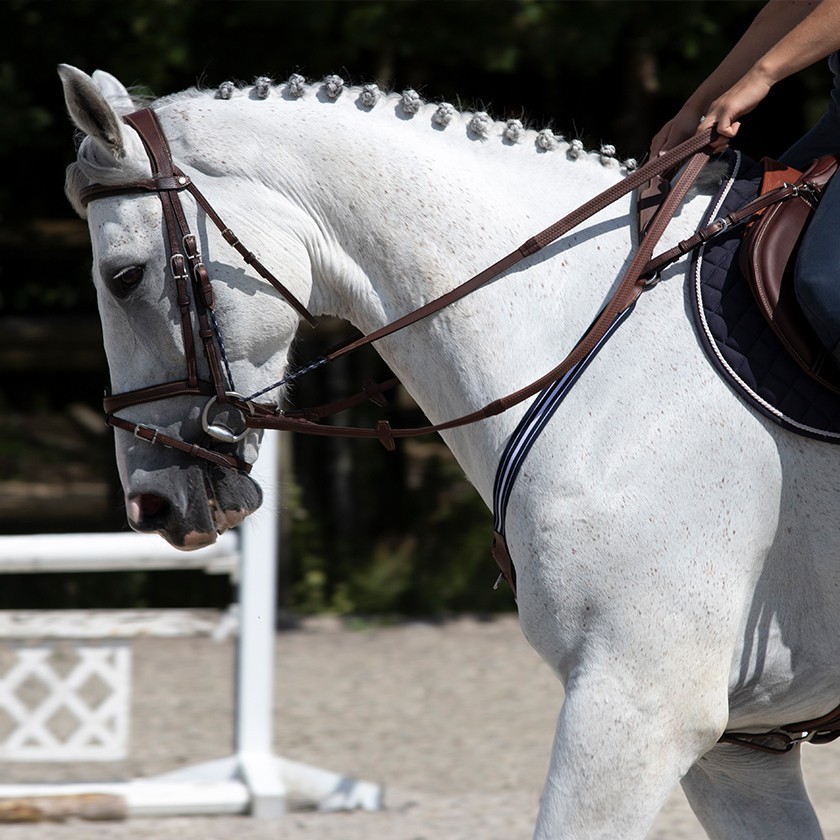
768,258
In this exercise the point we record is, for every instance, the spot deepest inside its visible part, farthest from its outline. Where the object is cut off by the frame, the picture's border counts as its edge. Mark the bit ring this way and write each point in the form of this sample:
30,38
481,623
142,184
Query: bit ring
220,432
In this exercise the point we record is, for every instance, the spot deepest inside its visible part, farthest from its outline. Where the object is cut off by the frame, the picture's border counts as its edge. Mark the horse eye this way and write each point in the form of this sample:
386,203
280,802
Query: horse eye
126,280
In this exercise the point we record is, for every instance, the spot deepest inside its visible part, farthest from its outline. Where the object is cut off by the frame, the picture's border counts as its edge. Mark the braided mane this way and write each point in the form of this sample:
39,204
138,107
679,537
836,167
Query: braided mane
442,116
477,124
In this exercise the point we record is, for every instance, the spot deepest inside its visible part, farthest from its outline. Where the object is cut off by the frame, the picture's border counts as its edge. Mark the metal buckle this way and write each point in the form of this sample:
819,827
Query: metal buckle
808,193
803,737
152,429
223,433
805,190
174,265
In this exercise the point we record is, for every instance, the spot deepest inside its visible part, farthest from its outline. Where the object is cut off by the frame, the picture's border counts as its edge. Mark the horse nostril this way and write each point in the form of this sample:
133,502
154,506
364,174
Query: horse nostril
145,509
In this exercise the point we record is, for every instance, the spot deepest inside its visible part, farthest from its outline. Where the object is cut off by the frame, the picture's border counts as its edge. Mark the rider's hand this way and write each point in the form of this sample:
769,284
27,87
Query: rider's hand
676,130
724,113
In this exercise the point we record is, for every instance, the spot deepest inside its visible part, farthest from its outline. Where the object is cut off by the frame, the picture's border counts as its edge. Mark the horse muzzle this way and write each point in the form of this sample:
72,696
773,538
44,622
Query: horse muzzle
189,505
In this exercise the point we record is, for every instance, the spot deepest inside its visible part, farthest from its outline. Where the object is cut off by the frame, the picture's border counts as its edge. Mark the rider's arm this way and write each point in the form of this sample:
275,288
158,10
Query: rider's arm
785,36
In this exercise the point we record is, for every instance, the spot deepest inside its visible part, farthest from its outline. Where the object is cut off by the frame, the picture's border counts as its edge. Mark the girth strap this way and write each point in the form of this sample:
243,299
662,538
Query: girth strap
821,730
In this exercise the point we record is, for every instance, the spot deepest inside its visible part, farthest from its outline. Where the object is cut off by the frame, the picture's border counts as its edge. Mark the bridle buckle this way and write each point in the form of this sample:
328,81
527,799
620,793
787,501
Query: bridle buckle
138,427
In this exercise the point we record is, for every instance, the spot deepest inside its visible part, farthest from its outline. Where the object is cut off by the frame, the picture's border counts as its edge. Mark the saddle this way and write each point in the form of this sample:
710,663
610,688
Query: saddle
767,260
767,256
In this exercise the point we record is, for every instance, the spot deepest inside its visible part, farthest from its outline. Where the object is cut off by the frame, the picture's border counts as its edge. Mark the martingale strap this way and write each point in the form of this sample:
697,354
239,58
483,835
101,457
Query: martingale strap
821,730
525,435
547,403
533,422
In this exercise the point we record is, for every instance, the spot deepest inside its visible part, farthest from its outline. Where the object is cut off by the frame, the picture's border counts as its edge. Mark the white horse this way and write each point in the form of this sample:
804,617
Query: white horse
677,555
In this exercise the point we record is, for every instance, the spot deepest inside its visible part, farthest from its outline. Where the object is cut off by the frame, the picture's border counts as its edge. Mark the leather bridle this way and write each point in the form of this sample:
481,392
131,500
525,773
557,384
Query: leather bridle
193,290
194,295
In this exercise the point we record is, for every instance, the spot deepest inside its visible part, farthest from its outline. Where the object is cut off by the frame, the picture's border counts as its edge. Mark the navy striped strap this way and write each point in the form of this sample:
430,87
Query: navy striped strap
536,419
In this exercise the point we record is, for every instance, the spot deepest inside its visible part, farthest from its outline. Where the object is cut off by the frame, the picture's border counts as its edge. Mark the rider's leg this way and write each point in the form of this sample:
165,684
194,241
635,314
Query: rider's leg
817,275
817,278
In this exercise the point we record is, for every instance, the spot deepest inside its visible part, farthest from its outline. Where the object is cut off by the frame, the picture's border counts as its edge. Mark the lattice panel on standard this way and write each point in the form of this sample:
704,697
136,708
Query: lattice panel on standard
64,701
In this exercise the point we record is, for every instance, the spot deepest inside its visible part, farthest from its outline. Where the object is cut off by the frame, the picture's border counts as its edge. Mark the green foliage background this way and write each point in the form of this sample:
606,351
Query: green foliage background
365,531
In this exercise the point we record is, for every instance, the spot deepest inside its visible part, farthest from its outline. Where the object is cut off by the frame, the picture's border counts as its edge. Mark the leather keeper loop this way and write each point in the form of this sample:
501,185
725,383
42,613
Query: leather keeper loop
202,279
530,247
385,435
373,391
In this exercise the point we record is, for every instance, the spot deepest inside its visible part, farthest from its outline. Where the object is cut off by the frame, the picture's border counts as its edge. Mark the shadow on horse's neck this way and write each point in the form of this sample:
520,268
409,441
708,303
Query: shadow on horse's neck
393,213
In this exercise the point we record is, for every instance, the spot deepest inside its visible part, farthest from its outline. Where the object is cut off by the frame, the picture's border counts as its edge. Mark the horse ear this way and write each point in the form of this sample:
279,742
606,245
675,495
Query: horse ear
114,91
91,111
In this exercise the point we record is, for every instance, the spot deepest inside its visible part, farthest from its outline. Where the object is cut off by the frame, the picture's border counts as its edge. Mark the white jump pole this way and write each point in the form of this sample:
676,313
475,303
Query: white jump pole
268,778
254,715
253,779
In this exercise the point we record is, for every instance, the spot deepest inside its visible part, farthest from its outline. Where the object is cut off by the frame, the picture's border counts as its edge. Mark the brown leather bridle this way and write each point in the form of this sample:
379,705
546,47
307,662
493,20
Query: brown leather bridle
193,290
194,295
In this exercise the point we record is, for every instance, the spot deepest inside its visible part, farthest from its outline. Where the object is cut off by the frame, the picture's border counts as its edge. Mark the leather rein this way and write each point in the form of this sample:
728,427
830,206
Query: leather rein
195,296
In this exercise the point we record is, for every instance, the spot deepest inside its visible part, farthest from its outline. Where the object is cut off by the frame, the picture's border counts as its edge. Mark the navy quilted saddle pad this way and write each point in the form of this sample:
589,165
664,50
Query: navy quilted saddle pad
735,334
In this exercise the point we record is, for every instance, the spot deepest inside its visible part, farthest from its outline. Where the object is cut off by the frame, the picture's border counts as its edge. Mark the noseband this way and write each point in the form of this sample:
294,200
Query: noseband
227,415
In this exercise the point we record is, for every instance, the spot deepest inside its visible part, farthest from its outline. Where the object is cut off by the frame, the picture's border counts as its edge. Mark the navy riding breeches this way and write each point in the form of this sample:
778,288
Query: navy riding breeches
817,276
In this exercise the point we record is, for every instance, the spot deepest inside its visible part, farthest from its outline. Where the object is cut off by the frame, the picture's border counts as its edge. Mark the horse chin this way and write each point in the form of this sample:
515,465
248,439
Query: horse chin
193,541
223,519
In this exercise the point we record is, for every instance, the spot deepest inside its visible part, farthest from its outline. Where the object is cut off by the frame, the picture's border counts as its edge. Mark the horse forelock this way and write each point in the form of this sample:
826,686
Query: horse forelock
94,165
74,181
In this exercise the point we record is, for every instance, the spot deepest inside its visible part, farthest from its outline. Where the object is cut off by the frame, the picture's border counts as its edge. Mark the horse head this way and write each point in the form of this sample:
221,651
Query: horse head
152,310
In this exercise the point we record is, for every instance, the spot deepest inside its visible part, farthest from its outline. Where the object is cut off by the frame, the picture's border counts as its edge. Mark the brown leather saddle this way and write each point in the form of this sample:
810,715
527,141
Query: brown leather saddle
767,260
767,256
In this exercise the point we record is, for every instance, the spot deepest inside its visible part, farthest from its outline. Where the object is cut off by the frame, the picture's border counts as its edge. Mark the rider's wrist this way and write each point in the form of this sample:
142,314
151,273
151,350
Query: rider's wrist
766,71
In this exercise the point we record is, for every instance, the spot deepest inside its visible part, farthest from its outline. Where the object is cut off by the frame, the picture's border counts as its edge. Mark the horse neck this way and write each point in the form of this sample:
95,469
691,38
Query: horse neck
396,212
